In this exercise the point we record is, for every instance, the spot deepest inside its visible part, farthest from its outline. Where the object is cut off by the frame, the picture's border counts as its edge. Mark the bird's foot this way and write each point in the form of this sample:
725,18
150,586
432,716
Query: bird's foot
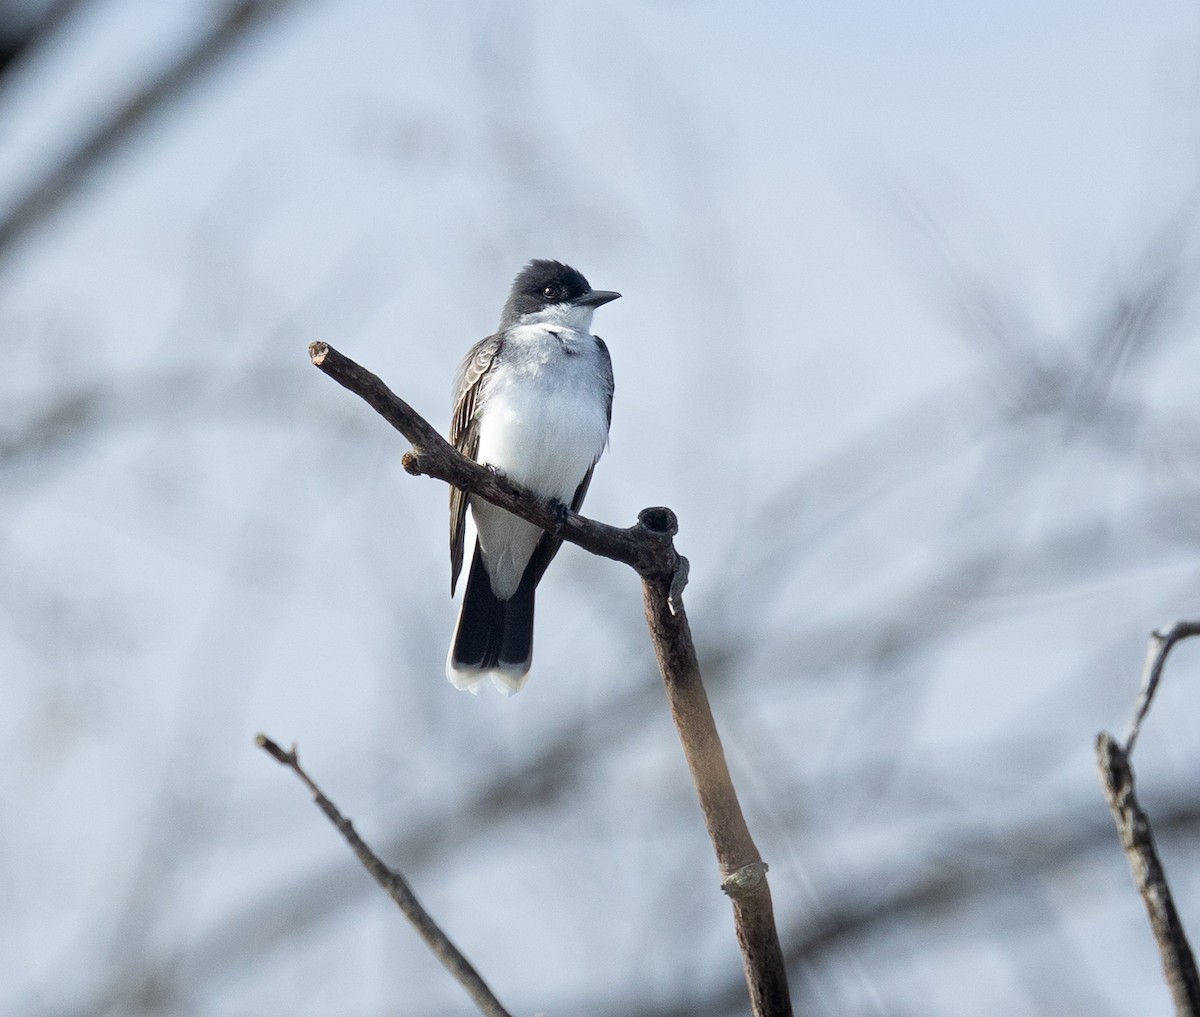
561,514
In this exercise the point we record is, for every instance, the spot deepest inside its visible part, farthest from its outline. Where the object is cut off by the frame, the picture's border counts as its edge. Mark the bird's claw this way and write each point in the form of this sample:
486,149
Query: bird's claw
561,514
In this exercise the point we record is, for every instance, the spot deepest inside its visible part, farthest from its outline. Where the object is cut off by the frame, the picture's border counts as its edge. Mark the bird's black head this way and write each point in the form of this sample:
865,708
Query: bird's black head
543,284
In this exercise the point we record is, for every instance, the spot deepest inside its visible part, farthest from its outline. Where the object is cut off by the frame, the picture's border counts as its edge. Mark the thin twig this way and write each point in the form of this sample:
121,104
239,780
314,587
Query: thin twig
1137,837
648,547
396,887
1156,656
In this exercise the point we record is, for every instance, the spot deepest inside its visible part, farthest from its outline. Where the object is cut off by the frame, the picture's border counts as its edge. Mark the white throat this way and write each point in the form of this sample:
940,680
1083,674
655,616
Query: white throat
571,316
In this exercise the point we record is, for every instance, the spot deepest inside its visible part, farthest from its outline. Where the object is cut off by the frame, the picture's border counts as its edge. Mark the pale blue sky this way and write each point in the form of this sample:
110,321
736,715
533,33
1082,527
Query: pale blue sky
755,182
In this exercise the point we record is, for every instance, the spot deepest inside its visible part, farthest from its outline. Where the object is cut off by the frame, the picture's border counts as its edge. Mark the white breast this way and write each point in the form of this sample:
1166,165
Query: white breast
543,423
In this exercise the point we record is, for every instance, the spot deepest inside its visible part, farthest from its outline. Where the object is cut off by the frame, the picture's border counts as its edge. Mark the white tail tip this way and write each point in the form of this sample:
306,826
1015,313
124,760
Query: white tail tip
474,680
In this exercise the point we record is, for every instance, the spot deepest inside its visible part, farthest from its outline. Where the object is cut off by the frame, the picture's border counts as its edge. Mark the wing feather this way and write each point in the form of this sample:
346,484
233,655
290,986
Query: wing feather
464,436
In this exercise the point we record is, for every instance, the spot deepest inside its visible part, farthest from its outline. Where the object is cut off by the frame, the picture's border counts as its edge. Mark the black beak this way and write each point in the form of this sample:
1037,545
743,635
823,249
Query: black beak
594,298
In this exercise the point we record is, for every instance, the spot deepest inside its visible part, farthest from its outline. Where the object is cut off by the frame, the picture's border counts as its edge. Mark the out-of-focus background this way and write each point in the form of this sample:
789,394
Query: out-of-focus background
908,342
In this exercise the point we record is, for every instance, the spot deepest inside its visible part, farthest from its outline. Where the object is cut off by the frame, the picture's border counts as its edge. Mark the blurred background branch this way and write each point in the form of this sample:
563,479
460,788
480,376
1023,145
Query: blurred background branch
231,21
933,440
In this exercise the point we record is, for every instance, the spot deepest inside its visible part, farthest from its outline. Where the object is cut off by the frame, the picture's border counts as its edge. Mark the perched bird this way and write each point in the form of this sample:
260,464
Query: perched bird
533,401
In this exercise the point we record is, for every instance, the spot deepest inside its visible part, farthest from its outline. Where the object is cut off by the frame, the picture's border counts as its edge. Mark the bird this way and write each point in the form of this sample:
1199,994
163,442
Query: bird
532,401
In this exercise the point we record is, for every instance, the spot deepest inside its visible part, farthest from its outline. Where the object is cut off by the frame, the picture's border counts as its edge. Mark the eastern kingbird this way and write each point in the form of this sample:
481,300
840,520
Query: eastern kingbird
534,401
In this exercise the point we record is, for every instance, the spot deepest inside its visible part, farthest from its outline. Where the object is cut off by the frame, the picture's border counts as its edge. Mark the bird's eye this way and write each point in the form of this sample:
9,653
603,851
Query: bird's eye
551,292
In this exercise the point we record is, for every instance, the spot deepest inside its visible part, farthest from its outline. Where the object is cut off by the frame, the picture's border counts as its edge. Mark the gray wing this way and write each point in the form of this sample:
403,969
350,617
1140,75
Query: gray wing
548,546
608,377
464,436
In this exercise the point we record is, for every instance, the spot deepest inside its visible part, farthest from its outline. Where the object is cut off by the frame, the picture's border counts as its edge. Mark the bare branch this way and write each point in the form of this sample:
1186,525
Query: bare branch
1133,827
744,873
397,888
1137,837
648,547
644,547
1156,656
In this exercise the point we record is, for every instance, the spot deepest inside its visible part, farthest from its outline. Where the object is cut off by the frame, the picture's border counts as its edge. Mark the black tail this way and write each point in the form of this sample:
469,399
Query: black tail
493,636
